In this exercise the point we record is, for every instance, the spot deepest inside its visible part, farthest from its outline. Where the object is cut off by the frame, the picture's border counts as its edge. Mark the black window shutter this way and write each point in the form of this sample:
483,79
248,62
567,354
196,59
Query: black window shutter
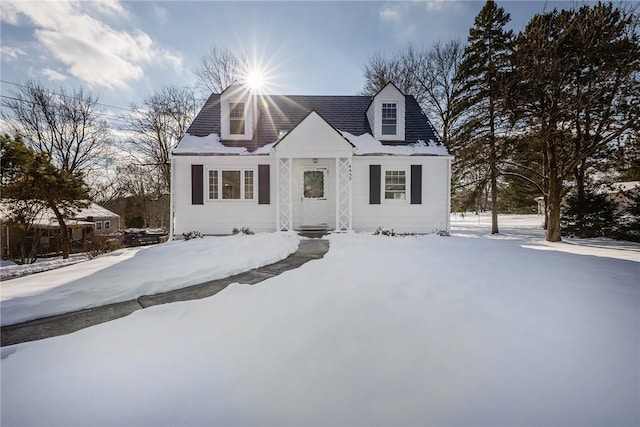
264,185
197,183
375,176
416,184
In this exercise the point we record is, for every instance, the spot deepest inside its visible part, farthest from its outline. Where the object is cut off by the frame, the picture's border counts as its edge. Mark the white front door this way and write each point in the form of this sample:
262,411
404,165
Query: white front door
315,206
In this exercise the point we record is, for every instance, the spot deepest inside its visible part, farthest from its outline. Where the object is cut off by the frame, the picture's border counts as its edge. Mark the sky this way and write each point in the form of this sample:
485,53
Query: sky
122,51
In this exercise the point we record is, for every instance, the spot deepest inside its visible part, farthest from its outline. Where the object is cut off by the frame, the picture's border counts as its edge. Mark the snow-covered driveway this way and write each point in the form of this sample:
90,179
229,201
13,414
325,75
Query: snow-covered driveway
130,273
381,331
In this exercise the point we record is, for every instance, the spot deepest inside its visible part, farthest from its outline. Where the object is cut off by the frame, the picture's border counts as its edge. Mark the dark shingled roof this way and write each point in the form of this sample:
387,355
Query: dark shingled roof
284,112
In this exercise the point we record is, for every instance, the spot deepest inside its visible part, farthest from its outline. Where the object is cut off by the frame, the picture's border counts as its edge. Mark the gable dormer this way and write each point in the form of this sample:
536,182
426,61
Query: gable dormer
386,114
237,113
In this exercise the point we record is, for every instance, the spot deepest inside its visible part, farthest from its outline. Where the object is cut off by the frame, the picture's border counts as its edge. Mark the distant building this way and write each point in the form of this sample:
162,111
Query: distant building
45,230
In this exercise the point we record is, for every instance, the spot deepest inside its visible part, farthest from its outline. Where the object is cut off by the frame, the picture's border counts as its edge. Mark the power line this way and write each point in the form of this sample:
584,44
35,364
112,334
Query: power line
65,96
106,116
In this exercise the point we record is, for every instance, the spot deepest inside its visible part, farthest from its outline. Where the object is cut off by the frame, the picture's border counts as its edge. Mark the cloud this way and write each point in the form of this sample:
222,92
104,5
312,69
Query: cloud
53,75
406,19
9,53
75,33
8,13
389,13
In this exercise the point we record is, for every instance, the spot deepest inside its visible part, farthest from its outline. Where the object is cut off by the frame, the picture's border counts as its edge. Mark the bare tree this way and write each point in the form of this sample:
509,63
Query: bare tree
157,126
64,125
435,75
427,74
218,69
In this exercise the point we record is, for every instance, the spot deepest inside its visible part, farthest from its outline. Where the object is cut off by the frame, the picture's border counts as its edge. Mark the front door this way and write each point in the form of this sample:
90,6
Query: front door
315,206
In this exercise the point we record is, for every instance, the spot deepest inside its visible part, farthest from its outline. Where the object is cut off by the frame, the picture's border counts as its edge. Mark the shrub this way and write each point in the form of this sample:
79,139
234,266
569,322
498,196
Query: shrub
243,230
592,216
630,219
442,233
98,244
384,232
192,235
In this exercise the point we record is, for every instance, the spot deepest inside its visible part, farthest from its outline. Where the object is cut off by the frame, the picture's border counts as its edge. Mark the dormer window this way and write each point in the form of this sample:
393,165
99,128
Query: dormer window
236,118
389,118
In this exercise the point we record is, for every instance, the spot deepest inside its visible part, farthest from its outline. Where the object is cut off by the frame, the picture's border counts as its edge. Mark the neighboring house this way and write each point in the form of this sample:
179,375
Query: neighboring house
619,192
310,162
46,230
104,220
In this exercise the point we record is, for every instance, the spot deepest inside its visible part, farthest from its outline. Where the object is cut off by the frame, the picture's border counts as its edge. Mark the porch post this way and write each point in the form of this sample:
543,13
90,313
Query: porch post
343,194
284,209
290,194
338,178
278,194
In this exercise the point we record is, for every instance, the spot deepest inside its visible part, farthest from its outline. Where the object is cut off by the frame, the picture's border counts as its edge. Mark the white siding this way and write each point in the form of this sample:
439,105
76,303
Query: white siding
388,94
234,94
221,216
313,138
401,215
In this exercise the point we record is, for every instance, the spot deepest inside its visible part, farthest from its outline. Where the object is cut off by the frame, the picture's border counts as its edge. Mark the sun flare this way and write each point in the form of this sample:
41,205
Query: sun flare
255,80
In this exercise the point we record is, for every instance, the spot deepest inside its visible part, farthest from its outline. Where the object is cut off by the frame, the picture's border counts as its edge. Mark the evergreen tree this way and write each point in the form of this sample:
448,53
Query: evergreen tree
481,75
577,75
590,215
30,177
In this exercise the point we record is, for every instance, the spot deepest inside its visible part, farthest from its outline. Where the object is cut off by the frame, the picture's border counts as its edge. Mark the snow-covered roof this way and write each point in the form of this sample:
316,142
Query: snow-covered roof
364,144
367,144
96,211
277,114
210,144
625,186
47,219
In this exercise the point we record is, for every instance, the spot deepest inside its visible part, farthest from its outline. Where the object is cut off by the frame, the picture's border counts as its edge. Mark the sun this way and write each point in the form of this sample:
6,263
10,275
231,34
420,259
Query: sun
255,81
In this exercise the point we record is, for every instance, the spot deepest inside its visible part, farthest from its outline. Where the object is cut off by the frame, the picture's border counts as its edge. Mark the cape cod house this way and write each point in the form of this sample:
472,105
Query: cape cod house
310,162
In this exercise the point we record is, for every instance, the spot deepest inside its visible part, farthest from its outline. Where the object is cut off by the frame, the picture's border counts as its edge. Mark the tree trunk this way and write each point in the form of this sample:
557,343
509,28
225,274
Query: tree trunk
553,208
494,200
494,166
64,232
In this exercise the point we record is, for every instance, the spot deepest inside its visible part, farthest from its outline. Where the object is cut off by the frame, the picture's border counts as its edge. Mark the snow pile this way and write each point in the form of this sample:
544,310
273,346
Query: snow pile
210,144
129,273
367,144
382,331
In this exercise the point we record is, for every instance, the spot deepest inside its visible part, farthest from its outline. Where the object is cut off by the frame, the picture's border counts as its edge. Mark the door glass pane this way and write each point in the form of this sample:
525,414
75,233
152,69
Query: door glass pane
231,184
313,184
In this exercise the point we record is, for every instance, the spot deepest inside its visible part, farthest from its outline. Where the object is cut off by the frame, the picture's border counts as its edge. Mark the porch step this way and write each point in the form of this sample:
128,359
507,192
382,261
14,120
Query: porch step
313,234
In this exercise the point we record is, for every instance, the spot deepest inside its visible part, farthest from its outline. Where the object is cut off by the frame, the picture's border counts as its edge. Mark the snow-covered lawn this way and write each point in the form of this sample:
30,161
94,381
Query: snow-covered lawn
130,273
428,330
10,270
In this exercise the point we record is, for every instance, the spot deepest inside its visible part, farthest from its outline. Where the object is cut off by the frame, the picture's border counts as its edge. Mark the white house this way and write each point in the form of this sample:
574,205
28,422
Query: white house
310,162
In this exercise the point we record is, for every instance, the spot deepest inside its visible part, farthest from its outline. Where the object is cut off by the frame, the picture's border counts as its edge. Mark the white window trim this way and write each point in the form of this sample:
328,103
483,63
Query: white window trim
400,119
395,134
242,185
226,119
107,225
407,189
98,225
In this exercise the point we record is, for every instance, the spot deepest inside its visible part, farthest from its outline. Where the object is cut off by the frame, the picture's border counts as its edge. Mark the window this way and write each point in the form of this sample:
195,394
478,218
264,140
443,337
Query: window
107,225
231,184
213,185
389,118
395,185
248,184
236,118
99,225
